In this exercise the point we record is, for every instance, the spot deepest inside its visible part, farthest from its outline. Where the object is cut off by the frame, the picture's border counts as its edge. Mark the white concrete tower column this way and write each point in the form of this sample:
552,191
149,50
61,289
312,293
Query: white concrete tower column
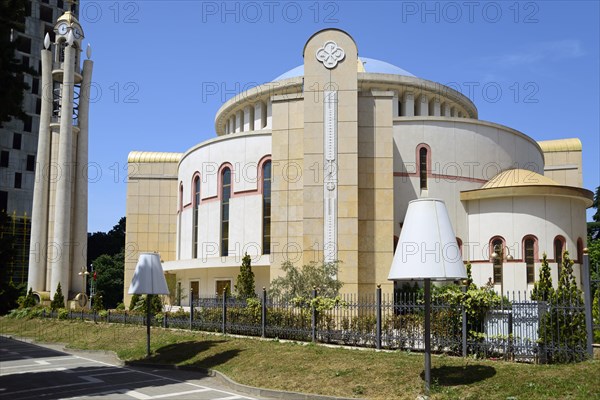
62,222
36,278
80,226
395,108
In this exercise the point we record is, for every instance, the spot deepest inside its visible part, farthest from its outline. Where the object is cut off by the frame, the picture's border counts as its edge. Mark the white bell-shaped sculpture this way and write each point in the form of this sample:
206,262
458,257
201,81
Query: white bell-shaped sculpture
427,248
148,277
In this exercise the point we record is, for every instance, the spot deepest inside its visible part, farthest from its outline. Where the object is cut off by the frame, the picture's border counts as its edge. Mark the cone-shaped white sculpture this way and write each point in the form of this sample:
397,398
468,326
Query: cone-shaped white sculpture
148,277
47,41
427,248
88,51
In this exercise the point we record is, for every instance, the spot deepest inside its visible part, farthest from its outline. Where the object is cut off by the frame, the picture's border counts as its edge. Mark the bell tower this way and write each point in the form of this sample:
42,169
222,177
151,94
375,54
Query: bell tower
59,213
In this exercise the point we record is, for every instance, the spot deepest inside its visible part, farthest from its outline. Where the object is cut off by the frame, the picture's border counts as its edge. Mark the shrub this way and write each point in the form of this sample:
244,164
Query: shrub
63,313
563,330
28,300
59,300
244,285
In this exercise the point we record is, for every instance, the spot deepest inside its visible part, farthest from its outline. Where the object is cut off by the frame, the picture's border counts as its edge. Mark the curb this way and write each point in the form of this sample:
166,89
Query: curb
230,383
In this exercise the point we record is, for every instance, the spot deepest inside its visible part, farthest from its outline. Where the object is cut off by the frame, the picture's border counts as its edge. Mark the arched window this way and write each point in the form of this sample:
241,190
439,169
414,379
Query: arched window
529,245
423,167
497,254
266,190
196,206
225,196
559,249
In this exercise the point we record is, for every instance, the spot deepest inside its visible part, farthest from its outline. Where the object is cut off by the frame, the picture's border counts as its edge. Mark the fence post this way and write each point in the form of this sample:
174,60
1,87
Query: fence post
94,315
263,313
463,312
313,319
587,299
125,318
191,308
108,316
378,333
165,321
224,319
82,314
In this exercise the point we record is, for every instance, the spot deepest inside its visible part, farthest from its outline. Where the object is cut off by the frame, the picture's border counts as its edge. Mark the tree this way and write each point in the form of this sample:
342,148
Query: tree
563,331
59,300
12,19
156,305
110,243
29,300
594,227
298,283
134,300
98,301
244,285
542,289
109,271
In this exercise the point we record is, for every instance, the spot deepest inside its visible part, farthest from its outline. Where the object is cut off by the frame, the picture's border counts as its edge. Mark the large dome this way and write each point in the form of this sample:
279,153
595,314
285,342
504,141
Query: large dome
365,65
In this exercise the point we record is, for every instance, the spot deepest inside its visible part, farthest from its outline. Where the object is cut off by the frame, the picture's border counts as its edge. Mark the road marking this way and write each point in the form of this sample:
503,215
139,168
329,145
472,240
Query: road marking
34,371
137,395
42,362
162,396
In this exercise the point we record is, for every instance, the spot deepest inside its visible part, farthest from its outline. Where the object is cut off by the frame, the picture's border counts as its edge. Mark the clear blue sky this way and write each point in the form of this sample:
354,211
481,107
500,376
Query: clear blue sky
533,66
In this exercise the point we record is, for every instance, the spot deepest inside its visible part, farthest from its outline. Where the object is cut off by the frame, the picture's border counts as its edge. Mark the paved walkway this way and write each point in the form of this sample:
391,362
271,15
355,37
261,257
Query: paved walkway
32,371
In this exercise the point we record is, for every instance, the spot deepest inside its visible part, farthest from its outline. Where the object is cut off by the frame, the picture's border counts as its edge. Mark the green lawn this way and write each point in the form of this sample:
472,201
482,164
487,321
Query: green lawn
323,370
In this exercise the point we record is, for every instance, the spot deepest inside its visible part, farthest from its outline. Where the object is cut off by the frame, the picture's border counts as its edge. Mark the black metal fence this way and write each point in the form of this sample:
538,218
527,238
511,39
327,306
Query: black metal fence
515,328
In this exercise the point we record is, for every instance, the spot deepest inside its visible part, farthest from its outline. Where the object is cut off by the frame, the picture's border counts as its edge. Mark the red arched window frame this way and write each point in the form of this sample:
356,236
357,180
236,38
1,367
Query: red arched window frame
497,241
530,256
580,251
196,199
423,161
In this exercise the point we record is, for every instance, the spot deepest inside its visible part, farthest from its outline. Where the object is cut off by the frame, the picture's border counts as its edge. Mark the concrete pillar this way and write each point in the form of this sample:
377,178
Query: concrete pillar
62,221
422,108
453,111
80,200
408,105
434,107
259,121
227,127
36,278
239,121
445,111
232,124
269,117
395,107
248,118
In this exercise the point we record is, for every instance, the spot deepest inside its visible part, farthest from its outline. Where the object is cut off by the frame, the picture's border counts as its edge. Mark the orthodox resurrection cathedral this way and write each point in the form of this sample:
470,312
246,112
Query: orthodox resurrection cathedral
320,164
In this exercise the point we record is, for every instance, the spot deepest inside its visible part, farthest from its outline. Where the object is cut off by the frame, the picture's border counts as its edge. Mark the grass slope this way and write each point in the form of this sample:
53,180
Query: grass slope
323,370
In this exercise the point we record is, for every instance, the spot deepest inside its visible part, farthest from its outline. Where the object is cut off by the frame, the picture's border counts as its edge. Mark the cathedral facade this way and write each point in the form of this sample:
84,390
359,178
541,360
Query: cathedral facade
320,164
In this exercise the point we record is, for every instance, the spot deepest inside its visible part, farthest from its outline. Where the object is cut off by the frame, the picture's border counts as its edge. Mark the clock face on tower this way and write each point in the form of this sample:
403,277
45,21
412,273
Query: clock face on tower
77,32
62,29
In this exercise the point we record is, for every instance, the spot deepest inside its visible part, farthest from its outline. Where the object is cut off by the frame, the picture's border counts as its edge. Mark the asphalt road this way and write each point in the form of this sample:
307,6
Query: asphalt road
30,371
